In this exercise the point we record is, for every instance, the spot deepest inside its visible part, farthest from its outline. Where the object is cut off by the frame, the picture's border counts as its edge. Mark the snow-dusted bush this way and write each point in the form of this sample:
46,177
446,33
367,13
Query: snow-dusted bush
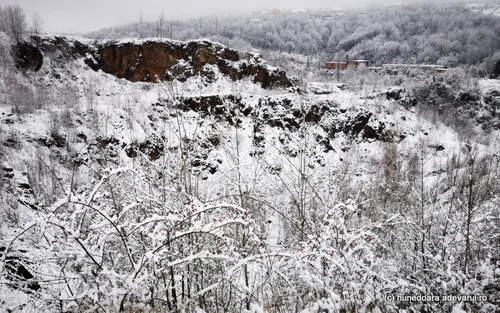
121,245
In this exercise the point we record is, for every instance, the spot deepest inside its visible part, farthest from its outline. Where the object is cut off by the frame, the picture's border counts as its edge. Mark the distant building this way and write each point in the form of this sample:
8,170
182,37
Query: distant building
438,68
333,65
357,63
344,65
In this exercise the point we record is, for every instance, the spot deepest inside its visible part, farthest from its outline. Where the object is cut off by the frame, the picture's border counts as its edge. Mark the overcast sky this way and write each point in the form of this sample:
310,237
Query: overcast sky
73,16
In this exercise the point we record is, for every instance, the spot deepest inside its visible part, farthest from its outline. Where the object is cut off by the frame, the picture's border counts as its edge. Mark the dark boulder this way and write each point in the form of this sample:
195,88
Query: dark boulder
27,57
358,123
153,148
468,96
401,96
495,72
17,272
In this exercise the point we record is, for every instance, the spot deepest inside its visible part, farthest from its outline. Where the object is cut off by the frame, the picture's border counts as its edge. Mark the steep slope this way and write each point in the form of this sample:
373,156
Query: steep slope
150,60
125,194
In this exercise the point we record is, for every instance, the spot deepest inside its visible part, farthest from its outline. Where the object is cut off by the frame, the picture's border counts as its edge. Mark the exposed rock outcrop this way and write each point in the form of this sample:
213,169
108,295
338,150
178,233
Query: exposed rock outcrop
153,60
63,48
401,96
27,57
166,60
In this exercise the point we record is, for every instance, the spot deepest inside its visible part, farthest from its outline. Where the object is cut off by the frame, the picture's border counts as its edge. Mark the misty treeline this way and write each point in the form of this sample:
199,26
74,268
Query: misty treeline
13,22
450,35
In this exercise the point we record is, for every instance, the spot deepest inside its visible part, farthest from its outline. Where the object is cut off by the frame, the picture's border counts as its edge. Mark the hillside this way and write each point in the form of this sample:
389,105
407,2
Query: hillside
166,176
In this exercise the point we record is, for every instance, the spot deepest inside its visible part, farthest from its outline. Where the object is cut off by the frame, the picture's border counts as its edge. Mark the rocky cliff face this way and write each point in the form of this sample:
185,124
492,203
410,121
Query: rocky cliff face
166,60
153,60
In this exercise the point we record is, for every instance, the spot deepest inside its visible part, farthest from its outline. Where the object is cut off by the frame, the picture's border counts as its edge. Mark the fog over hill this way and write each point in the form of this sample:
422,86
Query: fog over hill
84,16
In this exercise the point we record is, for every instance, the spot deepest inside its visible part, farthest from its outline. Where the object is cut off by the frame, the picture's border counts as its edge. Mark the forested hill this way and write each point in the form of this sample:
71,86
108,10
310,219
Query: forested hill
450,35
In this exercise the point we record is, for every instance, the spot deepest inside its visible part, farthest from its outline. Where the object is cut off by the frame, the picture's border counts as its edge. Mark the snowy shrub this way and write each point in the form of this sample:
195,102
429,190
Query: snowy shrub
120,247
